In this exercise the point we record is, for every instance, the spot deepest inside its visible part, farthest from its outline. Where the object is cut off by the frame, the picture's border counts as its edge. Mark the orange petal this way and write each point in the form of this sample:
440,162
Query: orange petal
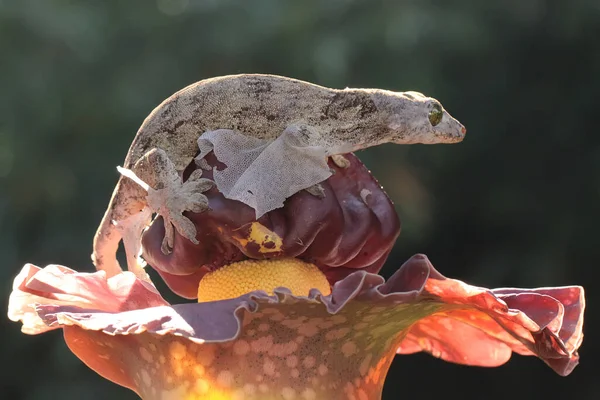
336,346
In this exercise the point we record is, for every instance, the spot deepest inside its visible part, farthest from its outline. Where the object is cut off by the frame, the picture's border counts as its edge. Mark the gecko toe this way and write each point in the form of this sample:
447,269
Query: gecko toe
198,203
195,175
340,161
167,242
199,186
164,247
186,228
203,164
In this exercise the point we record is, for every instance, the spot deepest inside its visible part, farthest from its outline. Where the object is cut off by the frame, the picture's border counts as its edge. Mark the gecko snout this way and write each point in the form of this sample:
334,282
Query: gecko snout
458,130
462,132
450,131
459,133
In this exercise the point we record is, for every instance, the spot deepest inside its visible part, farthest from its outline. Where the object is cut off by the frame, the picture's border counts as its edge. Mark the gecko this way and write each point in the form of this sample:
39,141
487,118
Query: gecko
259,107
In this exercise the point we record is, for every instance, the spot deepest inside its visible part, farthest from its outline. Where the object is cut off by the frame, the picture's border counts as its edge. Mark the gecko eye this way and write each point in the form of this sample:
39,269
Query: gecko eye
436,114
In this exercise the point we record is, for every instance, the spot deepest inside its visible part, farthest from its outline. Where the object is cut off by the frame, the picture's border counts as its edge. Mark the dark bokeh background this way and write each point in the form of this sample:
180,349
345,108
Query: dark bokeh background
516,204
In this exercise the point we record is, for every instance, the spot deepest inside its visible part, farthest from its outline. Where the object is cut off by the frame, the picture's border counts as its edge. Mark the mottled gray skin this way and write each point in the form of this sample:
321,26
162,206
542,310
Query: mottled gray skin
263,106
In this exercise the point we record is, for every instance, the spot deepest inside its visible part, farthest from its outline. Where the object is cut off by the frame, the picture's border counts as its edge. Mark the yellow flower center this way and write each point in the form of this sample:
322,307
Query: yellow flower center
242,277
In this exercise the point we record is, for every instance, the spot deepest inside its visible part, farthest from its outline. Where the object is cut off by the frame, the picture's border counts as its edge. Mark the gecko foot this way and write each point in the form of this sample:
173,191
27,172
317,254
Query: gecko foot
340,161
173,199
316,190
168,196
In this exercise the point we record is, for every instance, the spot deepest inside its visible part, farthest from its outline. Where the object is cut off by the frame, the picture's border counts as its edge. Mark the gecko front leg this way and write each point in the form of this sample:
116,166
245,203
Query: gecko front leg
168,196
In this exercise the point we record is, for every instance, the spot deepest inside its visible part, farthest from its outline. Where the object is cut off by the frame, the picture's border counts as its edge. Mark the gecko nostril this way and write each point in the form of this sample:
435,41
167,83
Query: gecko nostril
463,130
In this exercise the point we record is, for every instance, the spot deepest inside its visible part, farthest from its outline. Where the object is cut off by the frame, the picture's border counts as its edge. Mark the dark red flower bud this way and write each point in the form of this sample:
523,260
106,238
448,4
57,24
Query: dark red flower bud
353,227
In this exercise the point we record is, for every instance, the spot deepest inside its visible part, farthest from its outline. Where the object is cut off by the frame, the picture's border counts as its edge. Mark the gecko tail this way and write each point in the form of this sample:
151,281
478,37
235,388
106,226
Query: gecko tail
106,245
108,235
125,219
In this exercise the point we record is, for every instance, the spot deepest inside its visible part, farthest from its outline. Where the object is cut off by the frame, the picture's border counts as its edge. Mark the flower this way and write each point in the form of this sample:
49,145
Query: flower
336,342
286,346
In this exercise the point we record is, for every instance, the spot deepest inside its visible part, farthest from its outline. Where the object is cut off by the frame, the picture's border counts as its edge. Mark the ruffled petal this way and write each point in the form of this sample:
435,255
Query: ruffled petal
56,285
336,346
353,227
546,322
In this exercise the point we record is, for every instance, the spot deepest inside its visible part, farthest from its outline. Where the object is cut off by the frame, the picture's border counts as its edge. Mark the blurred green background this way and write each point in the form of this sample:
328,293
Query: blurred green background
516,204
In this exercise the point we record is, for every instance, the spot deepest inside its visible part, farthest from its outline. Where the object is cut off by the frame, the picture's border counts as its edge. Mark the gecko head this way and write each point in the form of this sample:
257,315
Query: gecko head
416,118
